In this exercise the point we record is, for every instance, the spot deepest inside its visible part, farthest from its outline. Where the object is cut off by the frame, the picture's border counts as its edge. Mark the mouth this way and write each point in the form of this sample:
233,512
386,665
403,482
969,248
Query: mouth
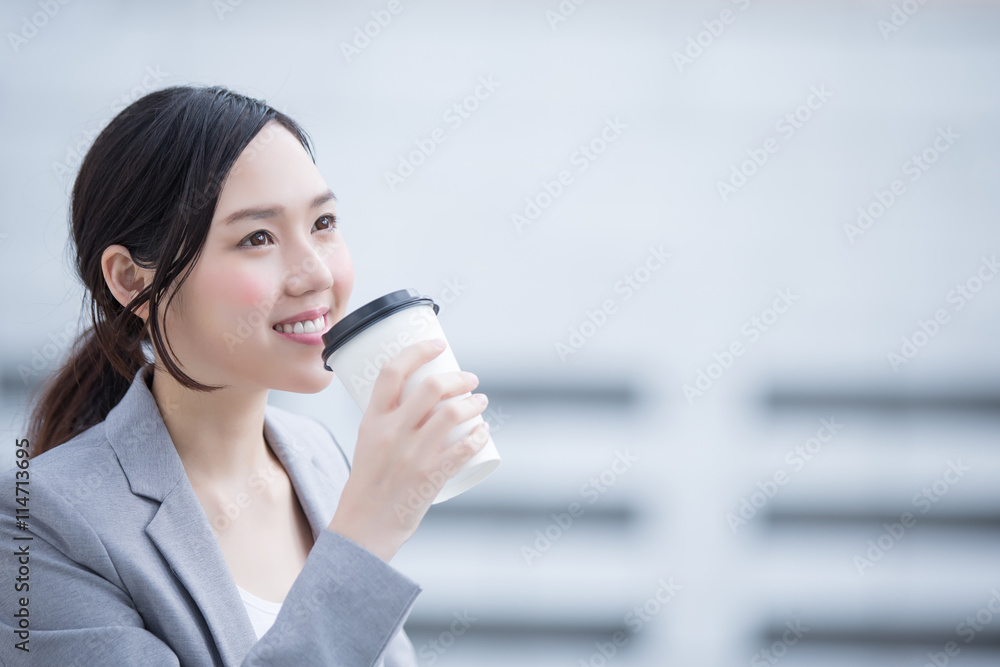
304,331
317,324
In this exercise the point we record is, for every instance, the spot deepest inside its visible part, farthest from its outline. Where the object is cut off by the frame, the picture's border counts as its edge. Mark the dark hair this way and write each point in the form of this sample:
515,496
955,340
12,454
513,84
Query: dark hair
150,182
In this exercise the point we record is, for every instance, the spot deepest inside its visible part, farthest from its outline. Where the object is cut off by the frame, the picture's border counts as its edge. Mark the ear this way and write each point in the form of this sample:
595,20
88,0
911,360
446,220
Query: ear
124,277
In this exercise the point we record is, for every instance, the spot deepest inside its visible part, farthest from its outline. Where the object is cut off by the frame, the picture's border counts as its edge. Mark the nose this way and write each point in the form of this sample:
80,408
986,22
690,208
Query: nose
309,272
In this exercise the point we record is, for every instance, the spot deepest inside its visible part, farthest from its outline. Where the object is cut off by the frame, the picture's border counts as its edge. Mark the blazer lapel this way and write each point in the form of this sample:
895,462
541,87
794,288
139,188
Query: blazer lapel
315,489
180,528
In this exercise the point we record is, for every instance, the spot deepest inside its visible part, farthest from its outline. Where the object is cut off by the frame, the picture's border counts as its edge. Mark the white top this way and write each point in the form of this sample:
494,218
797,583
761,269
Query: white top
262,612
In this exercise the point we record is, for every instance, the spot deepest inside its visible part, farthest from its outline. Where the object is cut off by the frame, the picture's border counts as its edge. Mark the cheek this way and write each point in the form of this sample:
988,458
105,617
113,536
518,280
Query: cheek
235,294
249,290
342,269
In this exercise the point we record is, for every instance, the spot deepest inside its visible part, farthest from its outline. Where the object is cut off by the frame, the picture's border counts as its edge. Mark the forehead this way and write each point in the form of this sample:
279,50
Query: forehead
273,168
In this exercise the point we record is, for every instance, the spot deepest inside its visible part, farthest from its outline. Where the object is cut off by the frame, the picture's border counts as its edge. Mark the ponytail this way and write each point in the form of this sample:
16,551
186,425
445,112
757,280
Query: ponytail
82,392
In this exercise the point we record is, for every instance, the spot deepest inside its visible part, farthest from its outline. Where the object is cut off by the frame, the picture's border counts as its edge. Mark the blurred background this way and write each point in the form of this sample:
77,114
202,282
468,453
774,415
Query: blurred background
726,270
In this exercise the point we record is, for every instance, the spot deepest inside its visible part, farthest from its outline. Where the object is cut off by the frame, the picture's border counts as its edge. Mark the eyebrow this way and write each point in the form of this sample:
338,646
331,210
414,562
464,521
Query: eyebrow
261,212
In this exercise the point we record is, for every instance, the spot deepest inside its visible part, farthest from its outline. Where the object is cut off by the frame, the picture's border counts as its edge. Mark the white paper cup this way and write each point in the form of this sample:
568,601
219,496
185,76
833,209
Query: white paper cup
357,347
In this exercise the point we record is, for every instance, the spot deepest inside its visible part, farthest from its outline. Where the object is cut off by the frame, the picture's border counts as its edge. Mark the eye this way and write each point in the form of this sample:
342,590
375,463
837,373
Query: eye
260,234
331,222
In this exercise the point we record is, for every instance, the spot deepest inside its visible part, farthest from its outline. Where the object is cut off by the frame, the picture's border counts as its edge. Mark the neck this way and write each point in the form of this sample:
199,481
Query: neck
219,435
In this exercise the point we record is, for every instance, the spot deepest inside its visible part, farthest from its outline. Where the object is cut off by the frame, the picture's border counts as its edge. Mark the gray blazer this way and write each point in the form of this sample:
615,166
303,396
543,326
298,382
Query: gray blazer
122,566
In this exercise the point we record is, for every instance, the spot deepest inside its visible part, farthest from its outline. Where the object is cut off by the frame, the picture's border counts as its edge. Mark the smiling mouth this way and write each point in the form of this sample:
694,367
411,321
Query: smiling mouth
317,325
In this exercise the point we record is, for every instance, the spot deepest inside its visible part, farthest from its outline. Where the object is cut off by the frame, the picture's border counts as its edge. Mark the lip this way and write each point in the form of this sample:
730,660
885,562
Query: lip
314,338
310,314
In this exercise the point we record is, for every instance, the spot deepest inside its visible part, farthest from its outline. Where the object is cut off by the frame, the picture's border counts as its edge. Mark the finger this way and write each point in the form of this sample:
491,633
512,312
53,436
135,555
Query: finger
463,450
418,406
449,414
394,373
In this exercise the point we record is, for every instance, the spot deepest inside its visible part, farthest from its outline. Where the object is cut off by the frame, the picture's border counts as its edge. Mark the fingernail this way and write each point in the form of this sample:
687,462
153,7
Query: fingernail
439,343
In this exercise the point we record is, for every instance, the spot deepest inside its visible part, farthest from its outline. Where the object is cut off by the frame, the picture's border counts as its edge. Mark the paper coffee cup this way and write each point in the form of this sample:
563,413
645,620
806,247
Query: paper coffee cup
357,347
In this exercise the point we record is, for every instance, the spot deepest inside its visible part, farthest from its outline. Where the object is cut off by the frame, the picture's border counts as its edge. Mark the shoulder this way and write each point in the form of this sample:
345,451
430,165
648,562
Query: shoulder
67,496
73,469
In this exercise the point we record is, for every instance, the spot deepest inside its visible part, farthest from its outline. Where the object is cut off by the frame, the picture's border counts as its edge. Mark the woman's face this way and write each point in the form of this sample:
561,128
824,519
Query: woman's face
273,254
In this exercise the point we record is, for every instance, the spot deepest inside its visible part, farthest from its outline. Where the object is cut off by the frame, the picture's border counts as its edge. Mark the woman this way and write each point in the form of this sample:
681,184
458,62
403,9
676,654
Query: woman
167,512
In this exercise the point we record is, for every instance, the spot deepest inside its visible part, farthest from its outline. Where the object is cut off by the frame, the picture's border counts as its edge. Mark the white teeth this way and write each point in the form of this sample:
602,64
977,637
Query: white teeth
306,326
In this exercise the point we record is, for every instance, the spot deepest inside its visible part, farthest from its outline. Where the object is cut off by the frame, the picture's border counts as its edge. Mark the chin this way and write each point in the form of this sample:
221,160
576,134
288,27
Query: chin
307,383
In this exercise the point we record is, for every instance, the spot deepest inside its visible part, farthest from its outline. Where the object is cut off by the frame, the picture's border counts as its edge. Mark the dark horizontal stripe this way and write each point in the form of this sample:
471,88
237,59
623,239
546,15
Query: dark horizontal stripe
612,395
599,514
528,628
791,518
926,638
893,400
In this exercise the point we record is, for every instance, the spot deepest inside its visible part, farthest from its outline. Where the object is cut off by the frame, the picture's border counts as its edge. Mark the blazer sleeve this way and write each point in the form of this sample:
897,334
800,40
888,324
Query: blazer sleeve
346,607
400,651
347,593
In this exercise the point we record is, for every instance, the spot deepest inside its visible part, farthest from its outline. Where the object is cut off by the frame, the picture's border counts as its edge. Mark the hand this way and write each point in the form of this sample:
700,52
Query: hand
400,460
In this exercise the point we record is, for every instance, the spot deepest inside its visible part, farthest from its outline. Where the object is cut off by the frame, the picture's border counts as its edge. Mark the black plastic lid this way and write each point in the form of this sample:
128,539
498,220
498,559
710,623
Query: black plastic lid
368,314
